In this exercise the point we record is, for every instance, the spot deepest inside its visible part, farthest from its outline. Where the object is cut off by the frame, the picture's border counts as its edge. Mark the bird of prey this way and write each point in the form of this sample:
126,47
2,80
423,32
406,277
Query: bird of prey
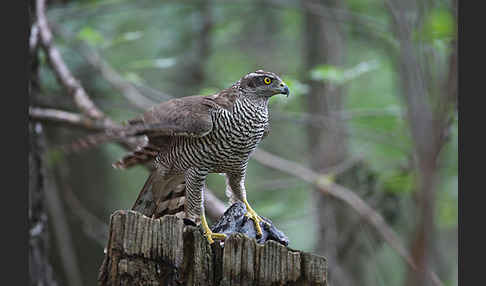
192,136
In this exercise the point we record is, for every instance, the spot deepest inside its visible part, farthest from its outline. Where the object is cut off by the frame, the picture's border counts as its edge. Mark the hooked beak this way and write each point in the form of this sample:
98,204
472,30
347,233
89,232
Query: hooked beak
284,89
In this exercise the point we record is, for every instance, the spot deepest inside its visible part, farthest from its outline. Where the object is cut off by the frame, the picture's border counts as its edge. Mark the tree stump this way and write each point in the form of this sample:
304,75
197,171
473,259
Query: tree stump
165,251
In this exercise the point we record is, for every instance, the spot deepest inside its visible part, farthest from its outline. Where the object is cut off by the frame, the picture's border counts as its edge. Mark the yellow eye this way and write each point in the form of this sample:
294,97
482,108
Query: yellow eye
267,80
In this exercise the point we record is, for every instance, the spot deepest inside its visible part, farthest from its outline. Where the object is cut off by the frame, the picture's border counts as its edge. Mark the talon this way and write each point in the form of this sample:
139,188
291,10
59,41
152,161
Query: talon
251,214
211,236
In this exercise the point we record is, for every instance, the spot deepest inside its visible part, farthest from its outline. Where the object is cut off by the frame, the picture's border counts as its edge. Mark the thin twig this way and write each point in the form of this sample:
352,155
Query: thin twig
63,74
64,117
116,80
107,71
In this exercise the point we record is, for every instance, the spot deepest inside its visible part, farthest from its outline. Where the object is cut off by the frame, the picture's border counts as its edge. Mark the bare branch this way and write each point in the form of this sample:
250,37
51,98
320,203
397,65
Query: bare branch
63,74
117,81
34,38
64,117
108,72
77,120
327,187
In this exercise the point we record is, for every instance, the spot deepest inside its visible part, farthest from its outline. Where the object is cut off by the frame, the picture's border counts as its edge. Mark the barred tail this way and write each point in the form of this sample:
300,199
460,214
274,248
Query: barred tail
161,195
142,155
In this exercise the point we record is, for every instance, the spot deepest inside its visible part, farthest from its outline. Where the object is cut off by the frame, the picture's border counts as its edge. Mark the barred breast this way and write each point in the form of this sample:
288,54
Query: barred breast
227,148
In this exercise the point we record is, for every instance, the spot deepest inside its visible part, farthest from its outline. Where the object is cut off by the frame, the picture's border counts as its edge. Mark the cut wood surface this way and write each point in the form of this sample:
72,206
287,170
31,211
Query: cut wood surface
164,251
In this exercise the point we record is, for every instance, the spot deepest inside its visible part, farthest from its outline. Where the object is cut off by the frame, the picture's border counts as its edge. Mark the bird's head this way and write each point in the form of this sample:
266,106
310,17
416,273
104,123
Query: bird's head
263,83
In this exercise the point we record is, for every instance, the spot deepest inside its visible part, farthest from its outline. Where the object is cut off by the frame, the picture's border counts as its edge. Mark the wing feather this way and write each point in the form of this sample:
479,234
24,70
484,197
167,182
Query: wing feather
186,116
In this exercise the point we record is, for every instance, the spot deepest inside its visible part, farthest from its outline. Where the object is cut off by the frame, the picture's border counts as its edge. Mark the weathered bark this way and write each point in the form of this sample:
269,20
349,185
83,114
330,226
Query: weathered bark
145,251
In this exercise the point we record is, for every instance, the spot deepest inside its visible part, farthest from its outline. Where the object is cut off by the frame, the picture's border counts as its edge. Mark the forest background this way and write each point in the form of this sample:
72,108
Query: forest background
373,109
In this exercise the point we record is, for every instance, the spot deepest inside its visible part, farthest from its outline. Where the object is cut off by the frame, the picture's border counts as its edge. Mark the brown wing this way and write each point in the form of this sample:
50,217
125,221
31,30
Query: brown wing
186,116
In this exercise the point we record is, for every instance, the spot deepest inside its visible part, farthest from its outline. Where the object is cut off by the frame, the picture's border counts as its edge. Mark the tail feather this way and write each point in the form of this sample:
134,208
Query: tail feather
142,155
161,195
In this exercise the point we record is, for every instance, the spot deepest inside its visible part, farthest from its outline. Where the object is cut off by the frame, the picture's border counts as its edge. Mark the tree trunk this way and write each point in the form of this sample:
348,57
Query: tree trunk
40,269
145,251
327,142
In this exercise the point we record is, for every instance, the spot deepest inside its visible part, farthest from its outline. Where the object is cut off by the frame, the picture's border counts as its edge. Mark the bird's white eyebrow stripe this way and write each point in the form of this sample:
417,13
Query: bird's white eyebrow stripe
253,74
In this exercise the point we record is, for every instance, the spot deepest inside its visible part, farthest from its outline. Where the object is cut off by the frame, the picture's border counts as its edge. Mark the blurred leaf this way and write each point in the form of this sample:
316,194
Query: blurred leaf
296,87
447,206
340,75
91,36
123,38
398,182
439,24
291,102
132,36
328,73
153,63
133,77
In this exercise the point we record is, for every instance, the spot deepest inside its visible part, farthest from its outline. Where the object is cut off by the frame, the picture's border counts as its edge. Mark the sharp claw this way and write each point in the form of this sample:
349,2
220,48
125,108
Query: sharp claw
210,236
251,214
256,219
214,236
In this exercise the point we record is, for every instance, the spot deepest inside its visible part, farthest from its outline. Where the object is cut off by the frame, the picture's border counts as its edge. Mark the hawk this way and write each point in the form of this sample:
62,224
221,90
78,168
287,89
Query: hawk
192,136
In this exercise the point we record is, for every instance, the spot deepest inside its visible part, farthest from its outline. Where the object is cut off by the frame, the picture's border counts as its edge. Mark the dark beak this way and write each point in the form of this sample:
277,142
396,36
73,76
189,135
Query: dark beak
285,90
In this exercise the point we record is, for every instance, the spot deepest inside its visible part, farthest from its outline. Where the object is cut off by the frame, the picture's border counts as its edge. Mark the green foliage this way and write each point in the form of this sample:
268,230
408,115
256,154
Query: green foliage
340,75
133,77
90,36
439,24
400,182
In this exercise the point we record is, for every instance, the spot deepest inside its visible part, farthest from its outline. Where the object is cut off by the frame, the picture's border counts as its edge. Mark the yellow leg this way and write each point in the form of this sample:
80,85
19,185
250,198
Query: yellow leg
250,213
208,233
